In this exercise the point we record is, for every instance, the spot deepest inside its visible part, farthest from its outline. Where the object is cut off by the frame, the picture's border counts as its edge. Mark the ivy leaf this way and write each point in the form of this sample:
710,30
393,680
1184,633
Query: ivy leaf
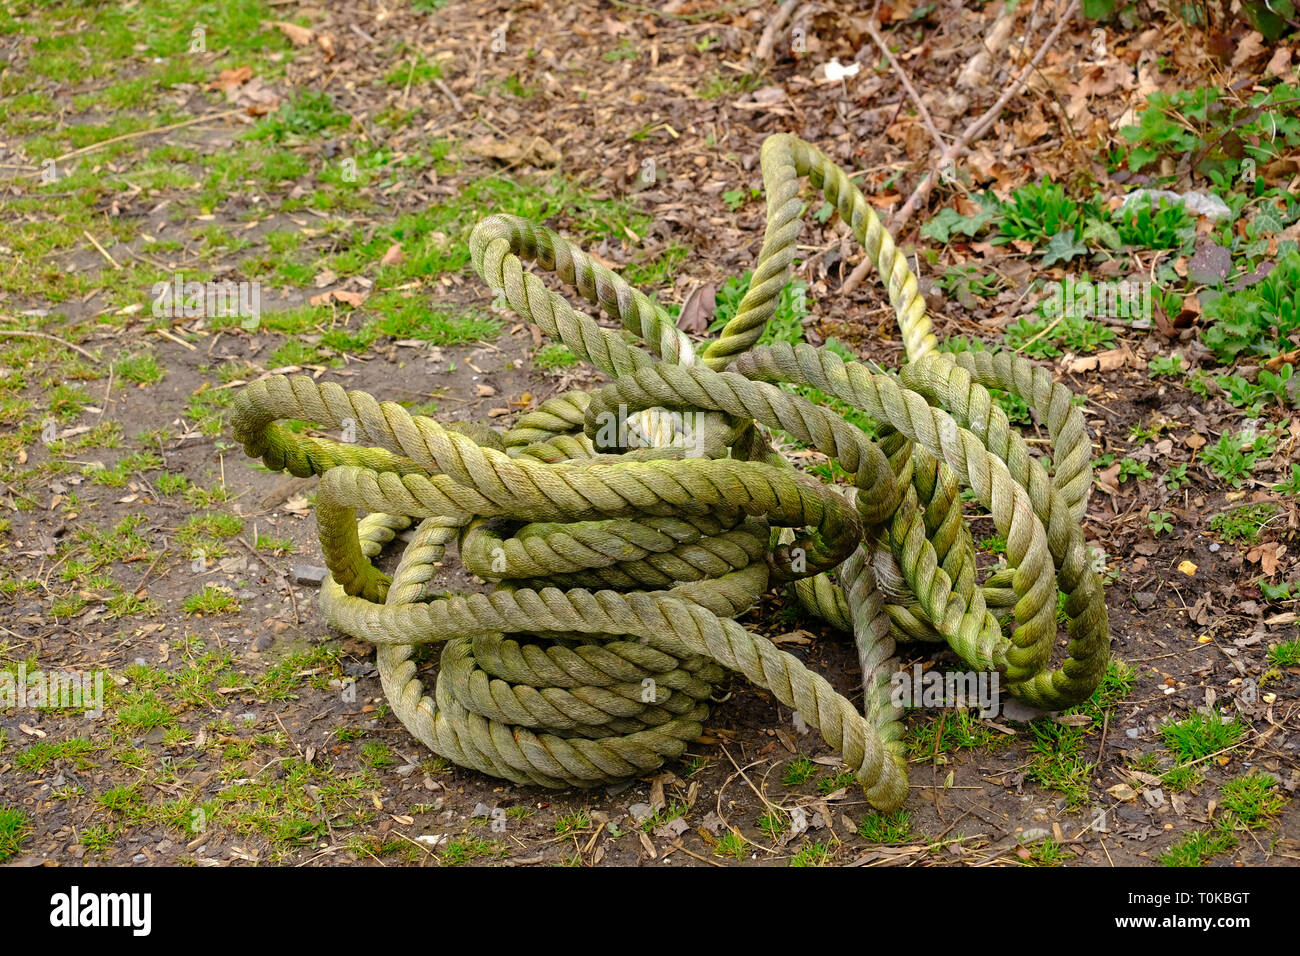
1063,247
940,227
1102,233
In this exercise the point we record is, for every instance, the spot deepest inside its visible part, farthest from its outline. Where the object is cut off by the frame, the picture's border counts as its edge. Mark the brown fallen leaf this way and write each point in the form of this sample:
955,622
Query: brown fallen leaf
485,390
697,310
394,255
353,299
1108,479
516,150
326,42
229,79
298,36
1268,556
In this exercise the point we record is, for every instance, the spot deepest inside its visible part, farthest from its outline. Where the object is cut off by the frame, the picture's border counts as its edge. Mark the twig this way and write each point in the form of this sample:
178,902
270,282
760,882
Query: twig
147,132
959,148
768,39
102,251
410,75
446,91
46,335
907,85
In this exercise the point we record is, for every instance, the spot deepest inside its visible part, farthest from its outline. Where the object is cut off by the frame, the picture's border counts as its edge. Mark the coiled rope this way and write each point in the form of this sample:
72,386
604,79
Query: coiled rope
624,530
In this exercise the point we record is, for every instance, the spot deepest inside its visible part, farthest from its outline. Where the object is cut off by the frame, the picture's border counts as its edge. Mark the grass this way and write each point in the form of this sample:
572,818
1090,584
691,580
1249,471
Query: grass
798,771
213,599
1243,525
15,828
1286,654
574,822
892,828
1251,801
1198,736
1197,848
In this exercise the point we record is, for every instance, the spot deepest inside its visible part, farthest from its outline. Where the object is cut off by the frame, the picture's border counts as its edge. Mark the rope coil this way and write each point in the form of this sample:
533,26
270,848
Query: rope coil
618,566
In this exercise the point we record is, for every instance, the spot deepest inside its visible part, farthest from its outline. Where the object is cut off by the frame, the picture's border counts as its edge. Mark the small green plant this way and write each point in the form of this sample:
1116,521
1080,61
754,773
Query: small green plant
774,822
1198,735
1131,468
1244,523
1198,847
1165,365
1259,319
1176,476
1038,211
895,827
730,844
798,771
1291,484
1235,456
573,822
554,356
15,827
1251,801
211,600
814,854
1286,654
1159,522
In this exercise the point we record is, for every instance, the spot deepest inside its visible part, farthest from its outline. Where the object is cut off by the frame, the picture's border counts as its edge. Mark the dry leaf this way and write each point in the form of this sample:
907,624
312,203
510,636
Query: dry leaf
228,79
697,310
353,299
1248,47
326,42
1123,792
485,390
394,255
1187,567
516,150
298,36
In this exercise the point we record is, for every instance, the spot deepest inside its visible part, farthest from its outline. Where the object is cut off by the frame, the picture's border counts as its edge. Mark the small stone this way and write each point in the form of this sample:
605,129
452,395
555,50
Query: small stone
1034,834
640,812
139,858
1131,733
308,574
1214,546
482,810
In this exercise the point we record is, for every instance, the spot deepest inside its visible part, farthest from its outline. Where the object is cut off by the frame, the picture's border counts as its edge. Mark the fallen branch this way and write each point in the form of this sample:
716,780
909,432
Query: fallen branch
763,51
146,132
20,333
962,146
907,85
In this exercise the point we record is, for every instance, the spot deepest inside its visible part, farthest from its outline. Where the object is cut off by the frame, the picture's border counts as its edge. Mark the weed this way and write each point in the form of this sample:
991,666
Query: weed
798,771
1197,848
1198,736
15,827
895,827
1244,523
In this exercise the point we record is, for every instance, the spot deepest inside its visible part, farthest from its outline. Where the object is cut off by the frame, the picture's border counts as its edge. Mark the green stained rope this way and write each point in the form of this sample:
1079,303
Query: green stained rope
617,571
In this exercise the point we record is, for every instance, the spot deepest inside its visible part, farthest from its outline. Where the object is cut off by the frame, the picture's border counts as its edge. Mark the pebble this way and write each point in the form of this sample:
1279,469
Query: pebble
139,858
1034,834
1214,546
308,574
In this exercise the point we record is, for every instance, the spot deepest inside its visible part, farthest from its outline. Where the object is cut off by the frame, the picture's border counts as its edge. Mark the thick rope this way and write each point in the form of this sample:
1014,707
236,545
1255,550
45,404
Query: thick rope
620,556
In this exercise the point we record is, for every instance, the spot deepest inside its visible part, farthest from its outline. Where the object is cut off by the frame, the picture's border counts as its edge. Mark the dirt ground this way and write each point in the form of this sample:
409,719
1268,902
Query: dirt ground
230,735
